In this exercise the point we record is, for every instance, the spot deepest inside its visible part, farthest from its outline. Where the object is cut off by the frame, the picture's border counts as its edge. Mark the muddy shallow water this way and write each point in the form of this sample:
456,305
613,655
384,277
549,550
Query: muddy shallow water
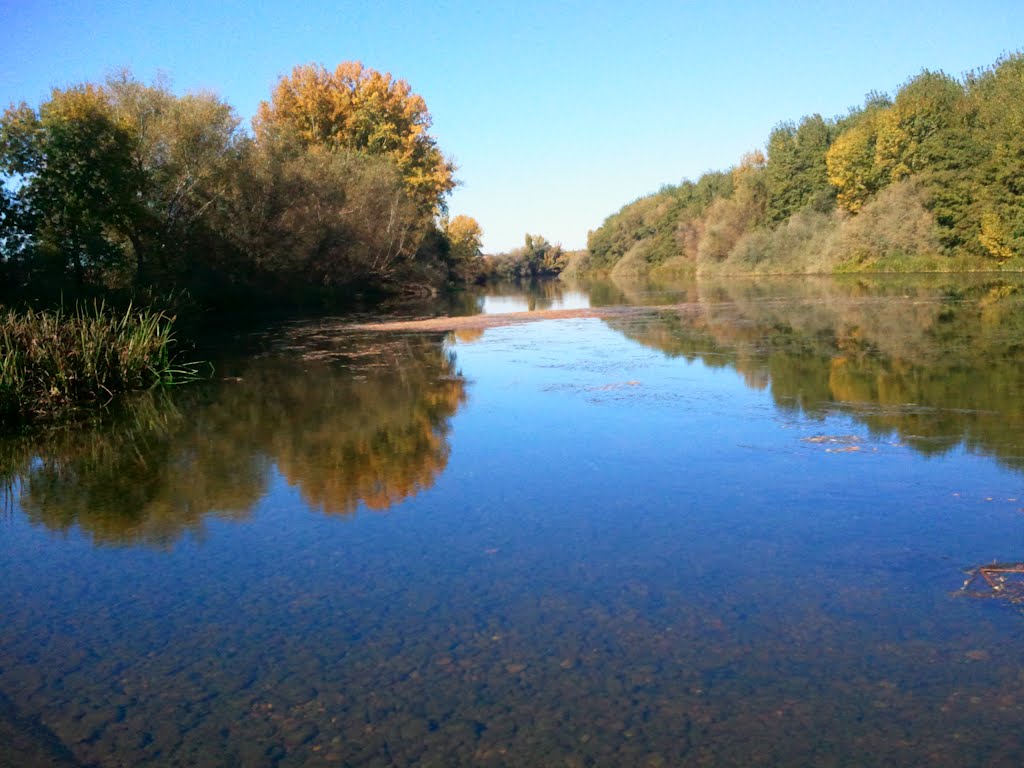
730,535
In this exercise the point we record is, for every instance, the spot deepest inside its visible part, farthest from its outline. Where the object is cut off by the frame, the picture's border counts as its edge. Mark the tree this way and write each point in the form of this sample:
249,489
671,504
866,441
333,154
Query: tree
913,133
186,152
465,239
796,174
729,218
850,160
541,257
323,220
118,178
997,95
356,108
75,184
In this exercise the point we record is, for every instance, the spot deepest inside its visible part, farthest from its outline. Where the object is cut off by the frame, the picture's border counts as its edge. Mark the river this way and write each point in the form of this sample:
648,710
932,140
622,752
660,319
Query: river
729,528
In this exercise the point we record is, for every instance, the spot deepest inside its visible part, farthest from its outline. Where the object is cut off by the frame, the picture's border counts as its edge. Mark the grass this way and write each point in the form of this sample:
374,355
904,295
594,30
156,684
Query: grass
54,362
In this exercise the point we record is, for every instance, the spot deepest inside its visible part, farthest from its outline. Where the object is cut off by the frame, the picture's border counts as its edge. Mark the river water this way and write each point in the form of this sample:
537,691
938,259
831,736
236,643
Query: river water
731,530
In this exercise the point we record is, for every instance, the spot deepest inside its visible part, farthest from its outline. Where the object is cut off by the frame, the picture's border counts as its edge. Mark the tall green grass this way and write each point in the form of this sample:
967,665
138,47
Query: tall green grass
55,361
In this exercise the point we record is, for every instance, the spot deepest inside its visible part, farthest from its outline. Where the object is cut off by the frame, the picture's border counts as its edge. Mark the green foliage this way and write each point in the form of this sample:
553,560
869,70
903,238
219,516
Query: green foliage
893,226
465,240
801,243
186,153
997,96
825,201
537,258
76,184
321,221
116,183
666,219
796,175
728,218
852,162
913,133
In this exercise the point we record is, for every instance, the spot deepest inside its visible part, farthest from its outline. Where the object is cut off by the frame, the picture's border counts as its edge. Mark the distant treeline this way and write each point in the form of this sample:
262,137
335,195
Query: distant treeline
932,179
537,258
123,186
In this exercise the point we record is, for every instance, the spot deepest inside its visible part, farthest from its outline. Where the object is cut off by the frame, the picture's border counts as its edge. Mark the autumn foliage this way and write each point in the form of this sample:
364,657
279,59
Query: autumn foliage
122,186
358,109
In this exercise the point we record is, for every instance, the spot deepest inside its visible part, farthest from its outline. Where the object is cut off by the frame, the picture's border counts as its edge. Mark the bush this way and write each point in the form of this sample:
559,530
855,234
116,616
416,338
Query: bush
892,226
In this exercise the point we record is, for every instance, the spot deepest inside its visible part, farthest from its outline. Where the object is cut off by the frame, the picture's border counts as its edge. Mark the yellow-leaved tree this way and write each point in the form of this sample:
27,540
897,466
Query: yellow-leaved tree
852,163
358,109
465,239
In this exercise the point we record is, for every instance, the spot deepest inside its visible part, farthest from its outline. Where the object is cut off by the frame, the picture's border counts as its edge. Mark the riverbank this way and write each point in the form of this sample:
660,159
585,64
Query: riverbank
920,181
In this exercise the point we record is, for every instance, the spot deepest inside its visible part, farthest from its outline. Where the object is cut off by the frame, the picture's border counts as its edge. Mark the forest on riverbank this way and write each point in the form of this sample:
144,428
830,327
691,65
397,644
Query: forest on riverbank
124,207
931,179
125,187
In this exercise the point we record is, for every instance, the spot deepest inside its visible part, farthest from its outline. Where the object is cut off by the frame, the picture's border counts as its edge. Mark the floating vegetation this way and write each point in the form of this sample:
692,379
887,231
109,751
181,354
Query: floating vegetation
1001,581
842,439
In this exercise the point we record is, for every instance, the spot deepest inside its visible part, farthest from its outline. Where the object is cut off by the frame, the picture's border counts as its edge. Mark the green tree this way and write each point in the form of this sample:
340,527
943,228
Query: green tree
997,96
729,218
913,134
796,175
70,163
851,161
117,178
323,221
185,152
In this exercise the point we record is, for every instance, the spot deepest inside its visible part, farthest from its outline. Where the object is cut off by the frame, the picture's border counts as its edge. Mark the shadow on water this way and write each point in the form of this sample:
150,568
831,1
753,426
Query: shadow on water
364,425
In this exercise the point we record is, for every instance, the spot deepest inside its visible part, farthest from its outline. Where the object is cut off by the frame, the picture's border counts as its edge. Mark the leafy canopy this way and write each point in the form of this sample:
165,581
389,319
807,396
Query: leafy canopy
356,108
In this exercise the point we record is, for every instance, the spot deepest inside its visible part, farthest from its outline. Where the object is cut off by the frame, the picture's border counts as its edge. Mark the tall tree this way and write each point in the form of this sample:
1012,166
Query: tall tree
356,108
465,239
796,174
913,133
119,177
852,169
186,152
998,98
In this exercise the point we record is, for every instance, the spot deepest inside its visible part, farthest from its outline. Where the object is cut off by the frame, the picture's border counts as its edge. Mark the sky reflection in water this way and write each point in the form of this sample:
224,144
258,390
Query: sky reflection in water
726,536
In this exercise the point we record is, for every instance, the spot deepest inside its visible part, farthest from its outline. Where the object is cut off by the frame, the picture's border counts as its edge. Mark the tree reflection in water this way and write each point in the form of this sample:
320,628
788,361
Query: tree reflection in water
368,425
937,365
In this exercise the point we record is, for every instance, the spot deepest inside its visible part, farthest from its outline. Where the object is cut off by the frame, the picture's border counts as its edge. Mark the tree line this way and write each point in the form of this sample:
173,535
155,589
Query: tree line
931,179
124,186
536,258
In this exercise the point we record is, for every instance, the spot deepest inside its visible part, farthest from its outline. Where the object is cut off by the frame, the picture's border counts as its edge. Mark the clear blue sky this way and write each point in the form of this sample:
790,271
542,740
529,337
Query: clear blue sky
557,113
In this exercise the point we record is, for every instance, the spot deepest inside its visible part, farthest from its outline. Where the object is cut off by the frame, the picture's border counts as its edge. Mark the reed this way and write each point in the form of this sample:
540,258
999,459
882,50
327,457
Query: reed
52,362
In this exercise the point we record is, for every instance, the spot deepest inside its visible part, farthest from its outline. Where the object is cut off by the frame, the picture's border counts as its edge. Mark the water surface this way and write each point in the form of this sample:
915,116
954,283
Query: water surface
726,535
